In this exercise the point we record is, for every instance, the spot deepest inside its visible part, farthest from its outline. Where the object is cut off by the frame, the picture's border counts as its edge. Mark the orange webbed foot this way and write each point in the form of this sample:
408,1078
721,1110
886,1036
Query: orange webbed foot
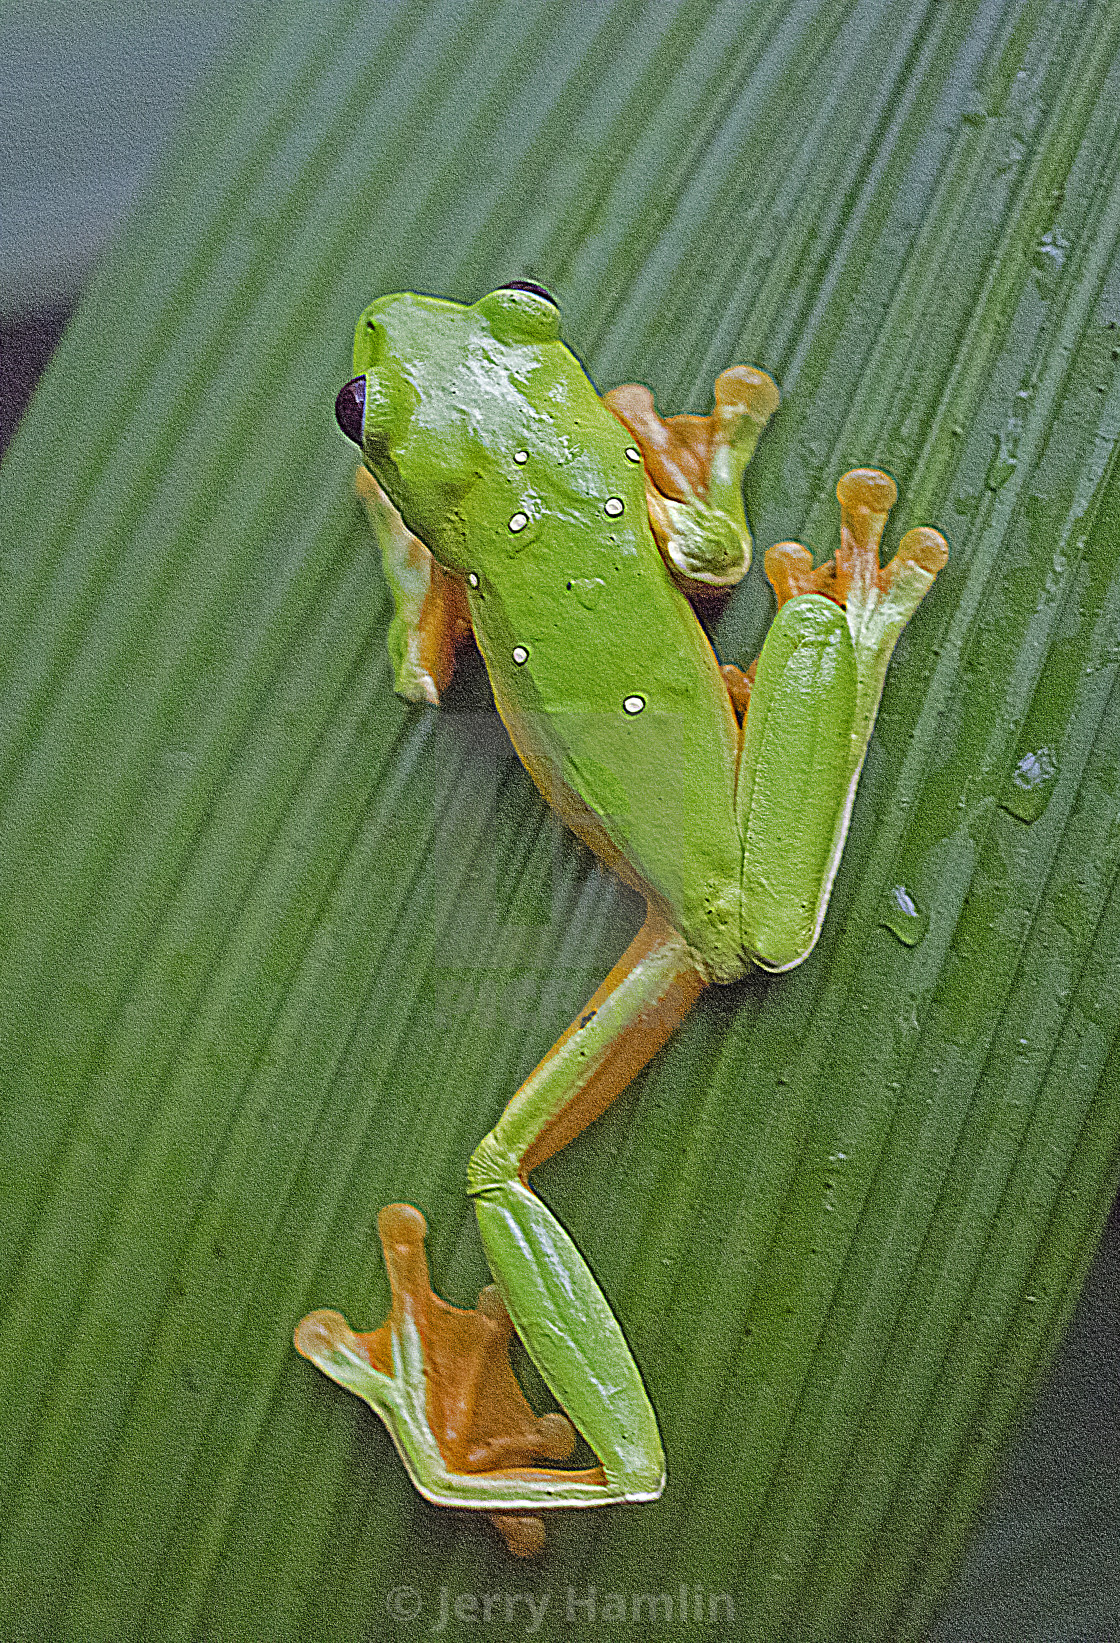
853,576
470,1402
481,1419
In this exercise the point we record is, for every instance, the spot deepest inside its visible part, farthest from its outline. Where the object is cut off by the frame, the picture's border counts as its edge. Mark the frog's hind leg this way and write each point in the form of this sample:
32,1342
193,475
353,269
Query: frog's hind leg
431,618
812,706
694,468
439,1377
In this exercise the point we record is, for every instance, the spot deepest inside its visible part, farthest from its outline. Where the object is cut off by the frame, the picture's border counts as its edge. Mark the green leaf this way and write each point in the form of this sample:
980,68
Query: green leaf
278,947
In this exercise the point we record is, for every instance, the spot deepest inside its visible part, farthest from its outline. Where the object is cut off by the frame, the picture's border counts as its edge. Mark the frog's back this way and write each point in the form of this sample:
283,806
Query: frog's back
601,671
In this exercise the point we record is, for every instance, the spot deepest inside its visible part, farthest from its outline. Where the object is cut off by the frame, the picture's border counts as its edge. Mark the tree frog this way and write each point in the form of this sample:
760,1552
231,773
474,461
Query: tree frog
572,534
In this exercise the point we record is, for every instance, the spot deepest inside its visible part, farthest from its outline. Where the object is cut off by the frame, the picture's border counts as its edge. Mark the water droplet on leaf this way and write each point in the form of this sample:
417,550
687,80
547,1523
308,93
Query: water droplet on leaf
1032,781
904,917
1006,458
1049,260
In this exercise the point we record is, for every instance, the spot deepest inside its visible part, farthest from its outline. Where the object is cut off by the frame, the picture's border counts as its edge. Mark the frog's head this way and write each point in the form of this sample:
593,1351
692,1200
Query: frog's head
437,389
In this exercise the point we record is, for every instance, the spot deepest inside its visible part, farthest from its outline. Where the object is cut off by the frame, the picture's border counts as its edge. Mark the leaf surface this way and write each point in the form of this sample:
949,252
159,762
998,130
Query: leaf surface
277,947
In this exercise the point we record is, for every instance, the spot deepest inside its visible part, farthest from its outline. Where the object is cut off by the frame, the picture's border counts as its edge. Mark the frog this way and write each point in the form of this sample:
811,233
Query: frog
578,538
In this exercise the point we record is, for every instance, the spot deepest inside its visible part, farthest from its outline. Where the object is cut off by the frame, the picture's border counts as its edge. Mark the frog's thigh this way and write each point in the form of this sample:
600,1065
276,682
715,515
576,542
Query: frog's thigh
795,778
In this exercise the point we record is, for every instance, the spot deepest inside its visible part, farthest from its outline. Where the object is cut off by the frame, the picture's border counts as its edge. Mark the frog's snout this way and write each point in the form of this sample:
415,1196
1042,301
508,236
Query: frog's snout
350,408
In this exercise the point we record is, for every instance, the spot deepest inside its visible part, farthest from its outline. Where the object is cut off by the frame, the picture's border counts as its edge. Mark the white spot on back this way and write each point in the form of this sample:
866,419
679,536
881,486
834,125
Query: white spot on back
521,456
613,506
519,521
634,704
520,655
633,453
472,579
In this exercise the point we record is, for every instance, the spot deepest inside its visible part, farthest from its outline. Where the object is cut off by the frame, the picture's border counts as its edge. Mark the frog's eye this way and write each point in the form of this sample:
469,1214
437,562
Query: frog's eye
522,312
350,408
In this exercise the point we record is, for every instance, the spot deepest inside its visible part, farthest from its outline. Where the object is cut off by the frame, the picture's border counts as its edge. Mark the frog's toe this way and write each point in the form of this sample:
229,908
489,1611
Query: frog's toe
744,390
866,491
789,569
523,1535
924,547
866,497
322,1335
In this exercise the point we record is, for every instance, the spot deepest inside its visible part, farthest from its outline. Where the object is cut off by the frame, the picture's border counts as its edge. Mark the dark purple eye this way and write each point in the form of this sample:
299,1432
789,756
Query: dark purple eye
528,285
350,408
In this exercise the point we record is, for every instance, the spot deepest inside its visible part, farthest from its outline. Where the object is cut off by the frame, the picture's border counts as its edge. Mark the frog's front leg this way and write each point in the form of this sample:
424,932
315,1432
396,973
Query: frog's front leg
812,707
438,1377
694,468
431,618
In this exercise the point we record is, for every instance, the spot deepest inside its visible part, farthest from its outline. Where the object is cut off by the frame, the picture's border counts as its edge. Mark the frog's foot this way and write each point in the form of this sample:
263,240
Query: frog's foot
694,472
431,618
440,1379
853,577
879,599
